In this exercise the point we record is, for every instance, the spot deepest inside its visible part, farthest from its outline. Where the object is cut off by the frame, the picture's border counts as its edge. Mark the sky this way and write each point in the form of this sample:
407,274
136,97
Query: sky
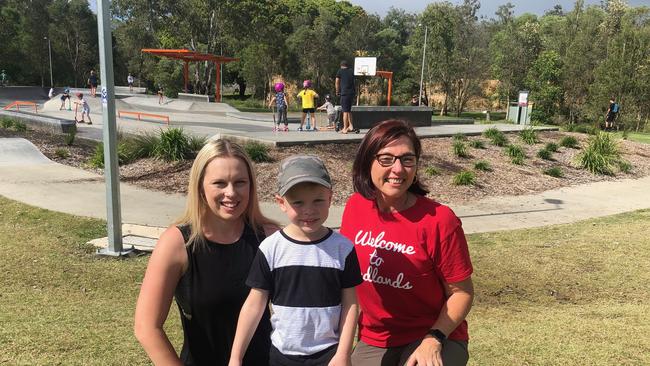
488,7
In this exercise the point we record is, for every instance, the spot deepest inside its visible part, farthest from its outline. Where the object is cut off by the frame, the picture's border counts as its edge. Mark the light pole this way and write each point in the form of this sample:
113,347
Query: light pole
49,47
424,53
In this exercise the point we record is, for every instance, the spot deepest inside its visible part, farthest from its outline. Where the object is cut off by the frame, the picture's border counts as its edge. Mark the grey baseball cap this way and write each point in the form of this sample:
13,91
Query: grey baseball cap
302,168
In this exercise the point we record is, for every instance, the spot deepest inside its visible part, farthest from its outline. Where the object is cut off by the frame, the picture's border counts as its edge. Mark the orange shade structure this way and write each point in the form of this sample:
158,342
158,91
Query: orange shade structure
188,56
389,76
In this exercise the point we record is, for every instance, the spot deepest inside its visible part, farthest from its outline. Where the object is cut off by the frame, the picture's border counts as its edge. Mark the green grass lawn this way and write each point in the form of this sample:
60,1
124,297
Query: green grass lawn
642,137
562,295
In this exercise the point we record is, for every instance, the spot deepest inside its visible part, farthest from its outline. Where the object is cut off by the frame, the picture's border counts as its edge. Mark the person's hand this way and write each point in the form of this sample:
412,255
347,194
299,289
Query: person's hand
428,353
340,360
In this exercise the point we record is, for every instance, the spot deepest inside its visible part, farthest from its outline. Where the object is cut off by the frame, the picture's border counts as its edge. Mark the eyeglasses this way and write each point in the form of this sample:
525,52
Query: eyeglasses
386,160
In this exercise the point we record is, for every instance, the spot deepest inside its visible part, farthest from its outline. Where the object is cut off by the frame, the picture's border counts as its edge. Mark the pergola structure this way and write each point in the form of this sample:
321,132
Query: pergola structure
188,56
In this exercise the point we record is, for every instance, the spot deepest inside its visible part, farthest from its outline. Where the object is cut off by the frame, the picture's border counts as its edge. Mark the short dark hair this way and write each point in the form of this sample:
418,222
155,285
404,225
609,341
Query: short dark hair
344,63
376,139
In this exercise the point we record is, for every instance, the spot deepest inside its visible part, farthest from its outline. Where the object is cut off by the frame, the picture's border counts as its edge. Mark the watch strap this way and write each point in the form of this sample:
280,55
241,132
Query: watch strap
437,334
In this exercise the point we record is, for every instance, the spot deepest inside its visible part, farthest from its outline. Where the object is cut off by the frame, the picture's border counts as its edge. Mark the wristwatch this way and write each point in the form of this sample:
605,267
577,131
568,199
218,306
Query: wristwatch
437,334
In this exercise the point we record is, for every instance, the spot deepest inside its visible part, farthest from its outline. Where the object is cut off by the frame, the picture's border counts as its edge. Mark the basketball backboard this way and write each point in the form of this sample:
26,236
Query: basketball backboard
365,66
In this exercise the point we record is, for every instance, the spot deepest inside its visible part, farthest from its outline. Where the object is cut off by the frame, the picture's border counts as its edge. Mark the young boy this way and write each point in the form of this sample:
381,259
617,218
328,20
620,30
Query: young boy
308,271
331,111
85,109
308,97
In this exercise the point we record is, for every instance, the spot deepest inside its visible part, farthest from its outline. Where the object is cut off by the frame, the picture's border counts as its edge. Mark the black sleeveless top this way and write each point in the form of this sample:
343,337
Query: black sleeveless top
210,295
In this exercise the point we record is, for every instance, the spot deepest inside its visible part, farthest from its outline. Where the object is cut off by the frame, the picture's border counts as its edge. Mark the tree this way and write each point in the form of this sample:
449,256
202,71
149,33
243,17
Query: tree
75,33
545,85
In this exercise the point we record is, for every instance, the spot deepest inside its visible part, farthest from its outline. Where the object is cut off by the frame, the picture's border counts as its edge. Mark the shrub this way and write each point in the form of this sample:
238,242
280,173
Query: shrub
555,172
6,122
173,145
491,132
258,152
197,143
545,154
515,151
69,137
551,146
465,178
482,165
431,171
529,136
127,151
569,142
477,144
600,155
460,149
624,166
20,126
144,145
62,153
97,159
499,140
518,160
459,137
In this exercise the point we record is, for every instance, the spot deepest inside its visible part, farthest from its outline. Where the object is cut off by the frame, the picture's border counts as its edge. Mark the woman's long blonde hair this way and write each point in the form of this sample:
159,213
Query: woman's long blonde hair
197,206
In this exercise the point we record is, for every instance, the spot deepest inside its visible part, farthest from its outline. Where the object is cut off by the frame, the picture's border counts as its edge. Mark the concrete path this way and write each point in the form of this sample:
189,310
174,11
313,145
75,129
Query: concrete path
27,176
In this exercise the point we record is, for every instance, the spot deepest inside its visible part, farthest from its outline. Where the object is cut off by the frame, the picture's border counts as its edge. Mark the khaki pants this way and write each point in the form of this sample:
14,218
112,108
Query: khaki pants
454,353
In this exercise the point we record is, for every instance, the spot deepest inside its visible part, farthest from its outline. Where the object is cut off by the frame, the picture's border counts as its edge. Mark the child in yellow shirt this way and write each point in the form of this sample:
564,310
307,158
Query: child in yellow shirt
308,97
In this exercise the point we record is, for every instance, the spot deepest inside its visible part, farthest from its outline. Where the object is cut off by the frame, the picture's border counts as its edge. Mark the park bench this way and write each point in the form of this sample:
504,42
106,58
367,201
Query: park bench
142,114
18,103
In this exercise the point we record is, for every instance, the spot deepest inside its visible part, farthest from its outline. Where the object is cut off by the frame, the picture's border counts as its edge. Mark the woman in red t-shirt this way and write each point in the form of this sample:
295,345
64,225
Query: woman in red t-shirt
413,255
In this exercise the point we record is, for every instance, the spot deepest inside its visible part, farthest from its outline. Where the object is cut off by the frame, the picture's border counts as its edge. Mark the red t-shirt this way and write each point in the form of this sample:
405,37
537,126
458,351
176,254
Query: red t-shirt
404,256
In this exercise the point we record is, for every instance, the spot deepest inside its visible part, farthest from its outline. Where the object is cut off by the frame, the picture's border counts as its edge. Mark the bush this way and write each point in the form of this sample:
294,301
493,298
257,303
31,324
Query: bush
600,155
196,143
515,151
6,122
529,136
482,165
491,132
551,146
69,137
145,145
518,160
173,145
624,166
569,142
97,159
459,149
465,178
258,152
20,126
477,144
431,171
545,154
555,172
62,153
459,137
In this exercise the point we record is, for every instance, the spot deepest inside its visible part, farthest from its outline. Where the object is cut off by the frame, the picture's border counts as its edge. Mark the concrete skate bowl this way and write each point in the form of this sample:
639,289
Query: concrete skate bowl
18,151
10,94
144,103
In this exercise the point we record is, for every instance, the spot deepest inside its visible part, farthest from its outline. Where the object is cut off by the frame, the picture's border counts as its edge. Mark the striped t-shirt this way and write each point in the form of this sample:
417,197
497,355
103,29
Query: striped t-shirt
305,280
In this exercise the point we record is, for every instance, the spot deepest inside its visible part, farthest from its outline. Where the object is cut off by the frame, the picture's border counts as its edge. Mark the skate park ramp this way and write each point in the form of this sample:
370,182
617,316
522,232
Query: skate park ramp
9,94
18,151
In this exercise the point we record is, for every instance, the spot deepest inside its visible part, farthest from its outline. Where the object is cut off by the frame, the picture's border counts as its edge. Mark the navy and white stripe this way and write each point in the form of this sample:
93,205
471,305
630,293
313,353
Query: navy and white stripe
305,280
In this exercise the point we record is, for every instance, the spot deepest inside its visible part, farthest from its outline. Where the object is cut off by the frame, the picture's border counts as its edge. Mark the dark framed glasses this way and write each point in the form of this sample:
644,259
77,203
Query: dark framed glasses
386,160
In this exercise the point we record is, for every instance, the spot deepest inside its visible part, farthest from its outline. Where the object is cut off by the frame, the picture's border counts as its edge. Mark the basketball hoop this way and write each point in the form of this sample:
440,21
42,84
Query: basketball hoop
365,66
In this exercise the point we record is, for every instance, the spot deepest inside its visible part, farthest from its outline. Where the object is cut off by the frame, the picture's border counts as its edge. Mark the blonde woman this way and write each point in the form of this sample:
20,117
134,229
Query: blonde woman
203,260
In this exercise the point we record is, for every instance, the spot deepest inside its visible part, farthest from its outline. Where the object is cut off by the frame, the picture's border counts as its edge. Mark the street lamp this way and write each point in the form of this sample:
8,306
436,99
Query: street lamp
49,47
424,52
